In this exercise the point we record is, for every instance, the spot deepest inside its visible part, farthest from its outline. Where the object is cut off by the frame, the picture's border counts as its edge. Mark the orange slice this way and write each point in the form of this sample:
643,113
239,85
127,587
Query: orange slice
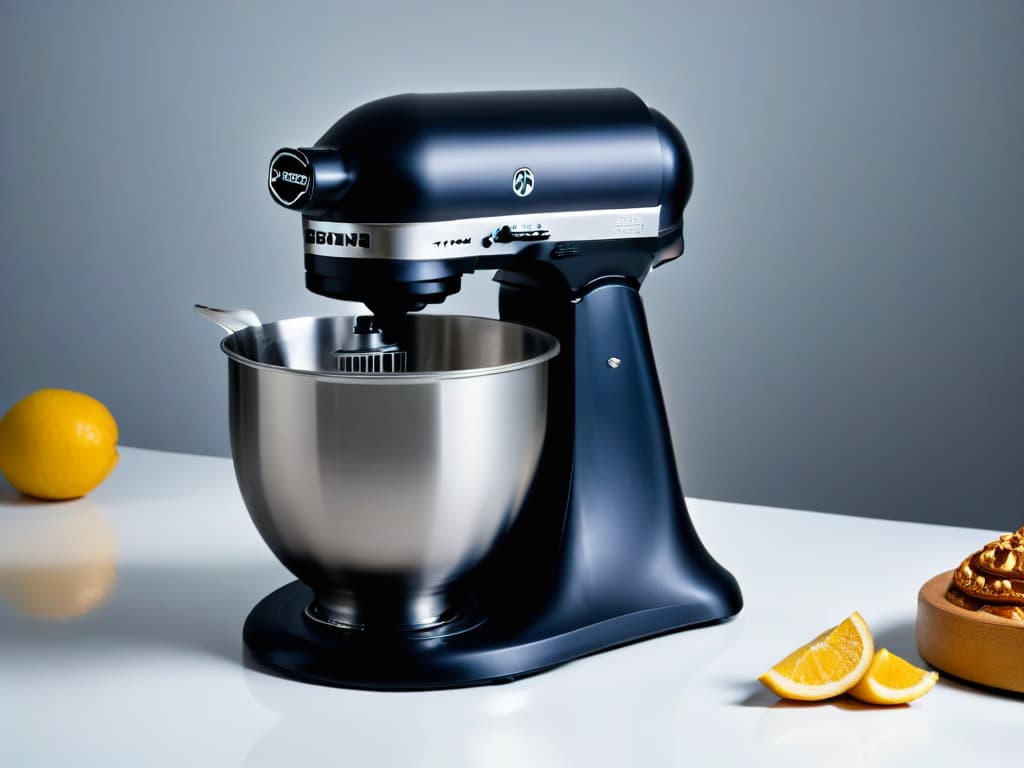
829,665
892,680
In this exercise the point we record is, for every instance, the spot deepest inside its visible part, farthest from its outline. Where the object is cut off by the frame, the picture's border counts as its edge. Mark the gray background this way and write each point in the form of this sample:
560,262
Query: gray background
844,332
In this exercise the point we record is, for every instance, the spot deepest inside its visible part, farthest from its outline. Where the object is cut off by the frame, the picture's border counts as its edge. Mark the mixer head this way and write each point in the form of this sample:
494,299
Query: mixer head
404,195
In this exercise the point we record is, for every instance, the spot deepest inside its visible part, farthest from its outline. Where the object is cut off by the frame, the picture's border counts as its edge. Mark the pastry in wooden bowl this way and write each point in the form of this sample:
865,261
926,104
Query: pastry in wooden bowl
970,622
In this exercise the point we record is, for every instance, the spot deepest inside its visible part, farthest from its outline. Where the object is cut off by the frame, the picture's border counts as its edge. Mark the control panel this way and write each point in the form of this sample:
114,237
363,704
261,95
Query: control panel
515,232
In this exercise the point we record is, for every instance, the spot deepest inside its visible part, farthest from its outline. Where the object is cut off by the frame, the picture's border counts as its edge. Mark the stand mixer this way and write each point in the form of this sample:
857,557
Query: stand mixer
560,507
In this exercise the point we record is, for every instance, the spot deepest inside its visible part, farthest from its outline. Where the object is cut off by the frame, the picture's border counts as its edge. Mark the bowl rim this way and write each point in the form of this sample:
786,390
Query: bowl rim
413,377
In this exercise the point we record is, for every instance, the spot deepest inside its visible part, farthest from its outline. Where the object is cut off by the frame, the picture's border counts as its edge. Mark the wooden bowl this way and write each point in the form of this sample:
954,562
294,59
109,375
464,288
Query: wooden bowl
977,647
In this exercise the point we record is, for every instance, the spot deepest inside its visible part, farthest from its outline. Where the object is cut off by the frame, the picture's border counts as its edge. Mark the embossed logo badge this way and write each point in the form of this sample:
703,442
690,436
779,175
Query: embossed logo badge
522,182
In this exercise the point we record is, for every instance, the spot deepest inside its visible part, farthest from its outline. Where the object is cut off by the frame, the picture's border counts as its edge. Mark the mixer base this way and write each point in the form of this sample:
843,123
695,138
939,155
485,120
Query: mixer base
282,640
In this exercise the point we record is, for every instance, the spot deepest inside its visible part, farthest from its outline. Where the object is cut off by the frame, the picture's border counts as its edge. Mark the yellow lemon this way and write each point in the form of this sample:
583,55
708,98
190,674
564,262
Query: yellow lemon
57,444
892,680
831,664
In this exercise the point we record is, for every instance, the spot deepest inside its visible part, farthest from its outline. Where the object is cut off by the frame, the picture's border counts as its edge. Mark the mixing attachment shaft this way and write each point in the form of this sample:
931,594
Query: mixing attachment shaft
367,351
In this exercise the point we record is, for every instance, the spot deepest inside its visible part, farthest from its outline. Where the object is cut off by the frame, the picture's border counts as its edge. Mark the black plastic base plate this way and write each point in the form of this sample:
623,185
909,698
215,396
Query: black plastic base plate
283,639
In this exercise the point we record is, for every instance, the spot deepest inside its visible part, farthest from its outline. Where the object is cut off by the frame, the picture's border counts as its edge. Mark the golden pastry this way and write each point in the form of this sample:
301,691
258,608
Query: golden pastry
992,579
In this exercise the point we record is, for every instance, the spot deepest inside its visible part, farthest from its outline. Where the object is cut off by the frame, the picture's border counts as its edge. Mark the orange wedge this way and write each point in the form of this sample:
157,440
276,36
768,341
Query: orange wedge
829,665
892,680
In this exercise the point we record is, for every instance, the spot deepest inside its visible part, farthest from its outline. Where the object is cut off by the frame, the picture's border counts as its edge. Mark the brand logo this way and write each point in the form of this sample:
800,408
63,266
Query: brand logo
289,181
522,182
339,239
291,178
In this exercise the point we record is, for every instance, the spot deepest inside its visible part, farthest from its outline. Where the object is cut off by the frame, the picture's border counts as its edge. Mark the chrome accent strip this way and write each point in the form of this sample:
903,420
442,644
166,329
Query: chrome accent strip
464,237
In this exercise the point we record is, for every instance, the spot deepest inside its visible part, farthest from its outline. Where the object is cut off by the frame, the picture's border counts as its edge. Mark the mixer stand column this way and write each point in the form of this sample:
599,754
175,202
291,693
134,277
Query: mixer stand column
628,549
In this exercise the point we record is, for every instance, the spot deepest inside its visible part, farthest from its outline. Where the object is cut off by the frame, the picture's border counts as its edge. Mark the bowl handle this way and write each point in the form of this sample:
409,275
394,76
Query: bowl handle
231,320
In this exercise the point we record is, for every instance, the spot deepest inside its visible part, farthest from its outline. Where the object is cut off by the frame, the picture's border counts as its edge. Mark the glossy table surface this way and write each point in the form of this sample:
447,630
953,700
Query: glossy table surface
120,644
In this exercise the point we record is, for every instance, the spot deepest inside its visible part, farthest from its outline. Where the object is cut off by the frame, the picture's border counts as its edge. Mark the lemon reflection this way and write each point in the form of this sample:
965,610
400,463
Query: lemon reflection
57,561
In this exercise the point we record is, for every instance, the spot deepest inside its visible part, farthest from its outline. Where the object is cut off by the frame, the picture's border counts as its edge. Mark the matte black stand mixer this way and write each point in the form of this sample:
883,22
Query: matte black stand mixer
464,500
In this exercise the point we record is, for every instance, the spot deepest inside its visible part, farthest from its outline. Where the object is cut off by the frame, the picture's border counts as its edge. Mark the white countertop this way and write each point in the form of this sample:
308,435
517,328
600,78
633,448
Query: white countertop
165,555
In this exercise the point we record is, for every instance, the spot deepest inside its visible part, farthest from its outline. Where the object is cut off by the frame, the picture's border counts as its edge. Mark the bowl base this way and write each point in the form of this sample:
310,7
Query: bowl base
448,615
391,610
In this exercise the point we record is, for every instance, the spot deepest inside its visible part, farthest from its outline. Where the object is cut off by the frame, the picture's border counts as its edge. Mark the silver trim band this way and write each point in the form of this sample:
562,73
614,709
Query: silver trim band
465,237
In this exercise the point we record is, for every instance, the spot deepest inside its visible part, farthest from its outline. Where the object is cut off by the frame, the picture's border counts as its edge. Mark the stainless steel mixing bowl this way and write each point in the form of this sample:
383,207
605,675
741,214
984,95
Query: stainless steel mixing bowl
380,490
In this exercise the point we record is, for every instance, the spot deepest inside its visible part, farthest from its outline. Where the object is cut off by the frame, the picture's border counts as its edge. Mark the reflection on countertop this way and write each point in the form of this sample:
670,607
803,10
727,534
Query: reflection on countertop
58,560
613,709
